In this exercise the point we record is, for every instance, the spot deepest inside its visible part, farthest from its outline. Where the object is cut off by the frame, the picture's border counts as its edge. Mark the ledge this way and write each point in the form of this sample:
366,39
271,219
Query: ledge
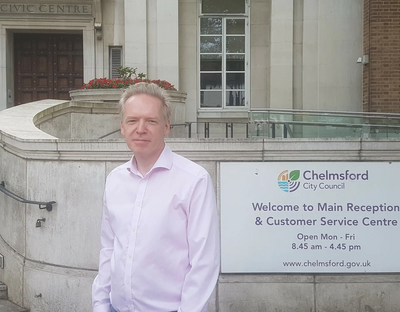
20,136
113,95
222,115
18,121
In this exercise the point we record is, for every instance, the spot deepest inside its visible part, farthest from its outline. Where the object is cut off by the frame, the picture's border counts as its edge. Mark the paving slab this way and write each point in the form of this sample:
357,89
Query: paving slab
7,306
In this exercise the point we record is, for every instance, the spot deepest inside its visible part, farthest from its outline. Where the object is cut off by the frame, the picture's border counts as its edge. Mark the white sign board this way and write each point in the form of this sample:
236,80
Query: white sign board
327,217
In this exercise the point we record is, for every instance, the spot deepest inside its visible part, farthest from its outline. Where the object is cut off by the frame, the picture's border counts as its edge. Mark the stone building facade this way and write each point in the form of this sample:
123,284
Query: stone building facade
229,56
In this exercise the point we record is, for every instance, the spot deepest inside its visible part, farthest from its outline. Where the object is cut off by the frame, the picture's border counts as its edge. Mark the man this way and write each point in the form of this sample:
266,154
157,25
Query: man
160,234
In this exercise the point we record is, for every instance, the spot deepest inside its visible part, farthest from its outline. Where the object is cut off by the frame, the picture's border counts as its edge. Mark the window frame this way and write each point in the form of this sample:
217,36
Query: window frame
224,90
111,50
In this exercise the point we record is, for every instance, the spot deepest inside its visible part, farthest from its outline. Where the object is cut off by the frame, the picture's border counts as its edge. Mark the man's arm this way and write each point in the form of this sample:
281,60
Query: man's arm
204,248
102,283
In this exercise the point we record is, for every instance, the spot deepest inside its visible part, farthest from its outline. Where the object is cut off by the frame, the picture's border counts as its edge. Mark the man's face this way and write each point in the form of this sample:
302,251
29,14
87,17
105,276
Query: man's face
144,126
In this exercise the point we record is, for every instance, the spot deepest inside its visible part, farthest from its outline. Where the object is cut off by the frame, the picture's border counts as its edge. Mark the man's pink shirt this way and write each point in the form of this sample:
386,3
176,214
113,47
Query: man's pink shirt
160,238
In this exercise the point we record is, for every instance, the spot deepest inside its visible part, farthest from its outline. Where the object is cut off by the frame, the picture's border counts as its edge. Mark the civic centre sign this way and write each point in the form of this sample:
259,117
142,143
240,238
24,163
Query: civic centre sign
43,8
320,217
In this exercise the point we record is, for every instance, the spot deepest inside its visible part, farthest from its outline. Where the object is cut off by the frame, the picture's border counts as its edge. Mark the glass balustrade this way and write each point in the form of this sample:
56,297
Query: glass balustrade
321,124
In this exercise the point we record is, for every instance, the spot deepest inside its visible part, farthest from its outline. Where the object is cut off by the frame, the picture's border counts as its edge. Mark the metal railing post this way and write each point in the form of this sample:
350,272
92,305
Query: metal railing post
190,129
206,130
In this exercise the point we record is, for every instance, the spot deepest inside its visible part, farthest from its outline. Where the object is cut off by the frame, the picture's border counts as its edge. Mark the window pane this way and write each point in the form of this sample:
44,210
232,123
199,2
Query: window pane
210,62
211,98
235,98
235,81
235,44
235,62
211,26
211,44
210,81
235,26
223,6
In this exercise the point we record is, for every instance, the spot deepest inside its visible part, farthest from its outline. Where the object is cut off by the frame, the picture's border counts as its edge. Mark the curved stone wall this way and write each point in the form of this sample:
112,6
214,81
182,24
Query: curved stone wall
51,268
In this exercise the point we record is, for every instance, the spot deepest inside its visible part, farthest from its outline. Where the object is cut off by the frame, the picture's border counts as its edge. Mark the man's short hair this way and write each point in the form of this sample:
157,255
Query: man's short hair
149,89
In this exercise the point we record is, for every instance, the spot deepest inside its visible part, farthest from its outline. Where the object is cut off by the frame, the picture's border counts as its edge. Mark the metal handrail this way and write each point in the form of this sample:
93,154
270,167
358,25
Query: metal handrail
106,135
309,123
228,128
276,117
325,113
42,205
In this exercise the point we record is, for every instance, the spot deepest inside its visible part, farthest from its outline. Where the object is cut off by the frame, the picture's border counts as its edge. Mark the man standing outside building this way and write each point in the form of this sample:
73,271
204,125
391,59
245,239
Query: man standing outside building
160,234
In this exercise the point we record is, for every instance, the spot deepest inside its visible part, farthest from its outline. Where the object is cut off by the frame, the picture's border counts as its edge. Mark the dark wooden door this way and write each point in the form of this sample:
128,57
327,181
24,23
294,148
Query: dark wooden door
47,66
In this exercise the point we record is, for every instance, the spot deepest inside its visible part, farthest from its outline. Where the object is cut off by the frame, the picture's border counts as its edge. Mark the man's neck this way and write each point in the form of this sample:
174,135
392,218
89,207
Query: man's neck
144,164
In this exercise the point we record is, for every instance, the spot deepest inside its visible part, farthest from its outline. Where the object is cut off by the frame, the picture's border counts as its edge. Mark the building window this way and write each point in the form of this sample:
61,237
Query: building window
115,61
223,6
223,59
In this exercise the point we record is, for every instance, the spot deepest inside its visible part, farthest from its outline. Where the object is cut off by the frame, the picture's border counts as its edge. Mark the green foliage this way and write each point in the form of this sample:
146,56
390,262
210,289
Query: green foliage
128,72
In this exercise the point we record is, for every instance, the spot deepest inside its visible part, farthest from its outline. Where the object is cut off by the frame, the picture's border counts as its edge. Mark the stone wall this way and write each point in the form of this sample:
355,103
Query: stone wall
51,268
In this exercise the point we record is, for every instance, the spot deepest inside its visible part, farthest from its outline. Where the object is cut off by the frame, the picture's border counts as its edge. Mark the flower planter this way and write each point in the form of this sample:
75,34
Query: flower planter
178,98
96,95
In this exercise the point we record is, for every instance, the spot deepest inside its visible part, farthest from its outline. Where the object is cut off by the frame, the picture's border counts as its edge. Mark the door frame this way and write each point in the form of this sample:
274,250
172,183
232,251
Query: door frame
52,87
85,27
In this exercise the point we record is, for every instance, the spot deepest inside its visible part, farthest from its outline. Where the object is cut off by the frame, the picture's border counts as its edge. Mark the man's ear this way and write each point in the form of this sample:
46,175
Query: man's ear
167,128
122,129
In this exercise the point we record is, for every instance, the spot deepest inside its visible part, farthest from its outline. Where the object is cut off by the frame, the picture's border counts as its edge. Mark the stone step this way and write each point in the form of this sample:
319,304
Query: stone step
3,291
7,306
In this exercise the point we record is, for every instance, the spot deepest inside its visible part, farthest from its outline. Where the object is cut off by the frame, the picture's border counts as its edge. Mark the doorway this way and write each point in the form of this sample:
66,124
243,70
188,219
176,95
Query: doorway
47,66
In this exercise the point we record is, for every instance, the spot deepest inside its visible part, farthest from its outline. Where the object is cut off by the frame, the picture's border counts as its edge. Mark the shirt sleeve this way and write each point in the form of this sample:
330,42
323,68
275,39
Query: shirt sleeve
102,284
204,248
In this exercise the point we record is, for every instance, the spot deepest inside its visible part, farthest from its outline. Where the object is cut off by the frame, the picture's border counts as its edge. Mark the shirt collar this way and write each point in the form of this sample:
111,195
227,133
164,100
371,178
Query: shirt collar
163,161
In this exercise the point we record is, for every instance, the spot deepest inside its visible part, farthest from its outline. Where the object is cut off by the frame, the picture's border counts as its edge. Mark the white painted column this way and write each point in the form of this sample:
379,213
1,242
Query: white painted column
310,55
119,26
99,28
281,70
3,73
89,59
168,41
99,71
340,43
135,49
298,20
188,56
163,41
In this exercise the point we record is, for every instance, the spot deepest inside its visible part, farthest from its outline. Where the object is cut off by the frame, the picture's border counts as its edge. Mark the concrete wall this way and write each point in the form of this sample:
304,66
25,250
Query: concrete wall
51,268
82,126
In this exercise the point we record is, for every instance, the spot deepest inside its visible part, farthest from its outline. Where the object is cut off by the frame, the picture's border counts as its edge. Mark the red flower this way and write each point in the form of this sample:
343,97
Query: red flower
104,83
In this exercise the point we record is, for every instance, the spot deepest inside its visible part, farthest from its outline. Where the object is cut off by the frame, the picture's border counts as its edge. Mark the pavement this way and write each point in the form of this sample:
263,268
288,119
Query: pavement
5,304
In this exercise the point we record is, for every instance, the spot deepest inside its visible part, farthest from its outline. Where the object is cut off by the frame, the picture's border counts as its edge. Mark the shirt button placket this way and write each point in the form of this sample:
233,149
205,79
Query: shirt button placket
132,239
